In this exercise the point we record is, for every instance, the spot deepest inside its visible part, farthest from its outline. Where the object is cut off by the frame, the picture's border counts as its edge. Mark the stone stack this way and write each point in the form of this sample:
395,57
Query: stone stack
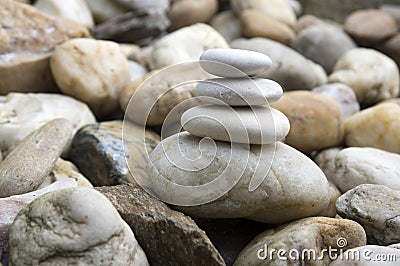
235,107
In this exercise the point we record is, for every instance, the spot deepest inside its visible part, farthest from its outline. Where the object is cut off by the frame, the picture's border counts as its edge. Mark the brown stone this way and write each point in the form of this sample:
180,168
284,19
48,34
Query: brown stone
258,24
370,26
168,237
187,12
315,120
28,38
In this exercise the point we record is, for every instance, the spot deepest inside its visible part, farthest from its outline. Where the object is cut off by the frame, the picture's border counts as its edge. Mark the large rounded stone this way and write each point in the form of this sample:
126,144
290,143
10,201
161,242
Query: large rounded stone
73,226
323,44
372,75
376,208
315,120
185,45
289,68
311,234
356,166
376,127
294,186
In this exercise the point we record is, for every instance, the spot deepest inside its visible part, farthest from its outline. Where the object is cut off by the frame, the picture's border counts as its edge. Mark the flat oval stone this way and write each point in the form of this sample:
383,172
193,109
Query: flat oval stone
256,125
240,92
234,63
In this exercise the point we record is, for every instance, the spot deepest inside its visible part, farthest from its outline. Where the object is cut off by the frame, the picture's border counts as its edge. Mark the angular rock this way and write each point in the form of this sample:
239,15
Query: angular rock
323,44
187,12
185,45
315,119
12,205
133,27
356,166
180,242
369,255
98,152
76,10
372,75
370,26
316,233
227,24
376,208
255,23
21,114
73,226
28,38
343,95
26,167
375,127
285,193
326,161
289,68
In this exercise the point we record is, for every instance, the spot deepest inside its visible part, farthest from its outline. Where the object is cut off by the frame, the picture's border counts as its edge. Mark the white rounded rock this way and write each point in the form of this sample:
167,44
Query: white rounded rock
234,63
255,125
240,92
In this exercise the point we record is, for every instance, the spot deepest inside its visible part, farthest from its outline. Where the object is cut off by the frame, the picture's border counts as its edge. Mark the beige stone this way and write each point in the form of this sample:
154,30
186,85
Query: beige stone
326,161
187,12
376,127
185,45
330,210
370,26
227,24
278,9
28,38
315,120
372,75
92,71
255,23
104,10
316,233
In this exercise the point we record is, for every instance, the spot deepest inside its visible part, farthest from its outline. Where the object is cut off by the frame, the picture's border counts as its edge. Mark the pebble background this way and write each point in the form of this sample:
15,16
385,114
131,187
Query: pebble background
313,84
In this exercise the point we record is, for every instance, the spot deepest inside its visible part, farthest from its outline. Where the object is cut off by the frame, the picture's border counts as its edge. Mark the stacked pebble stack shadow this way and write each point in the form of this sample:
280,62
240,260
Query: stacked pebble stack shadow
236,106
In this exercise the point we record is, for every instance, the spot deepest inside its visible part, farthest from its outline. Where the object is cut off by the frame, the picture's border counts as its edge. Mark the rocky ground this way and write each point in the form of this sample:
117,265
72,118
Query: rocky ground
118,147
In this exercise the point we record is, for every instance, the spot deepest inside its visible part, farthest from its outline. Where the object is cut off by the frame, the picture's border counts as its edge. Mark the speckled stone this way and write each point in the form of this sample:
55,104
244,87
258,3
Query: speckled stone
148,216
98,151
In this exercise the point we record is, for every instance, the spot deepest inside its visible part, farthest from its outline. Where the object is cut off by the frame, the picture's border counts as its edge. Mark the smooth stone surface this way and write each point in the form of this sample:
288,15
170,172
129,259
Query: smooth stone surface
227,24
376,127
289,68
187,12
326,161
76,10
376,208
370,26
104,10
240,92
393,10
334,193
356,166
85,228
136,70
323,44
185,45
343,95
316,233
315,119
10,207
391,48
26,167
234,63
375,256
28,38
372,75
148,216
255,23
160,92
287,193
21,114
296,6
306,21
149,5
252,125
65,170
92,71
278,9
98,151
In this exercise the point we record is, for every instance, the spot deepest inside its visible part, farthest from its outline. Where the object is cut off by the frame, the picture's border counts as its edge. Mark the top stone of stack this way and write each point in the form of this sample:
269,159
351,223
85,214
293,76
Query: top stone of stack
234,63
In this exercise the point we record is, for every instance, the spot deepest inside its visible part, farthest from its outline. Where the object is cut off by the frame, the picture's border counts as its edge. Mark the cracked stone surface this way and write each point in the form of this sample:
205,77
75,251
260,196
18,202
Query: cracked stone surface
168,237
73,226
376,208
